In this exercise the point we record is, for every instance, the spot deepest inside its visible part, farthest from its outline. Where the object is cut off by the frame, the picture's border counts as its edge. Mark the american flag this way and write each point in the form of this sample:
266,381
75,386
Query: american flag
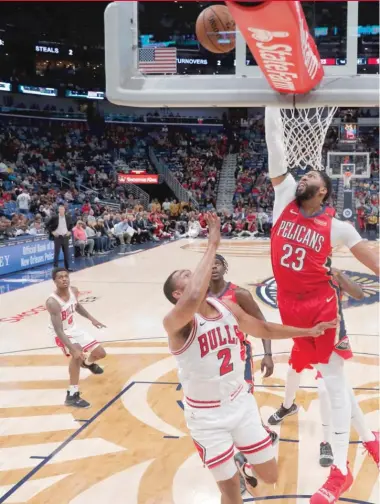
158,60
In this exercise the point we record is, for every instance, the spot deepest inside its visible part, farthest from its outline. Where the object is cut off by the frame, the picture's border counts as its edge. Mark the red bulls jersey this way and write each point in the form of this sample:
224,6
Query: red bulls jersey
230,294
301,250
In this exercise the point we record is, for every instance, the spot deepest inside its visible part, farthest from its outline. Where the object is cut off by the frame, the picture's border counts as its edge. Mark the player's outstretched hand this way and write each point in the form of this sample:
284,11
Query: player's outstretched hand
320,328
213,223
97,324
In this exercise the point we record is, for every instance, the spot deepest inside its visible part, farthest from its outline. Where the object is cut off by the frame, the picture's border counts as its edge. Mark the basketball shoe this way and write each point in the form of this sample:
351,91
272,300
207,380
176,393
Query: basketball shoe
247,482
336,484
326,457
76,401
281,413
94,368
373,447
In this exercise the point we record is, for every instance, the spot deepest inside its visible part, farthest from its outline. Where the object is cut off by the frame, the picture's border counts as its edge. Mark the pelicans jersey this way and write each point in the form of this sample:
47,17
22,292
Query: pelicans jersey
307,293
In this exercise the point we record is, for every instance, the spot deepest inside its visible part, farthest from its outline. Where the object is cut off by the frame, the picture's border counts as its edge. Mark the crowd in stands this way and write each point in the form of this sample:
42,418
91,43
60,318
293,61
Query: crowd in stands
195,159
44,164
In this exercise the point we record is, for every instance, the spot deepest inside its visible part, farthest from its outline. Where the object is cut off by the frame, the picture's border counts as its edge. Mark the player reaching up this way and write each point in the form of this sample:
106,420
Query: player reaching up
220,414
223,290
83,349
303,234
289,407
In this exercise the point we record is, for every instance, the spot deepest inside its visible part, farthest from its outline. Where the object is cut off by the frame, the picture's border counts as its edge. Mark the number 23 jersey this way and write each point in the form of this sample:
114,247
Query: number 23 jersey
301,250
210,368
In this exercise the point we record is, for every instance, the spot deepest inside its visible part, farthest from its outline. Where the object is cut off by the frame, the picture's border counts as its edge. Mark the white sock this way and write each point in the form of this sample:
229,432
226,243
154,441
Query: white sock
292,383
73,389
325,410
358,420
333,374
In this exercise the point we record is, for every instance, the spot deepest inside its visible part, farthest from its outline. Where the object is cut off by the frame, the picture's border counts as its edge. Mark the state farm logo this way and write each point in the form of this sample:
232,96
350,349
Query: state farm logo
265,35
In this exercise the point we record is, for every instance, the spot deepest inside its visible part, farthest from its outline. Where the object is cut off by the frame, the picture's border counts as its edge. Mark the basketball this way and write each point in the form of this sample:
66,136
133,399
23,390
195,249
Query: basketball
215,29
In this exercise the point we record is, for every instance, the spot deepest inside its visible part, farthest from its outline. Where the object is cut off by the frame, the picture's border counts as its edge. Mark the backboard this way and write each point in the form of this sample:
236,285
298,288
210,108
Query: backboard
357,163
232,80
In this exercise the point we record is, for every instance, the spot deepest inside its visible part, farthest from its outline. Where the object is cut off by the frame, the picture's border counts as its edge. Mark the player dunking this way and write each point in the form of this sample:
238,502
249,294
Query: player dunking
288,407
74,342
223,290
220,414
303,234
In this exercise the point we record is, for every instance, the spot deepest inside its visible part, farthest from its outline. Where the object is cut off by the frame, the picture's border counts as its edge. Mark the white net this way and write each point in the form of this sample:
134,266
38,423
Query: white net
303,134
347,180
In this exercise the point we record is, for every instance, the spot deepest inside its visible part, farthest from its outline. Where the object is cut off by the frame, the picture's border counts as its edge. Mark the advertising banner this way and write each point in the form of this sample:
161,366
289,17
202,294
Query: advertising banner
21,254
127,178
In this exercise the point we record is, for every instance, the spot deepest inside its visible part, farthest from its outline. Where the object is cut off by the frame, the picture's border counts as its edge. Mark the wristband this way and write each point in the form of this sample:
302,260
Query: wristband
268,354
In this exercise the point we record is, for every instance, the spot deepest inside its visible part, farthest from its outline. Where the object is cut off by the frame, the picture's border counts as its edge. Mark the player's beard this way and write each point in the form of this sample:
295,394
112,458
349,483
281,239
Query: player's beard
306,194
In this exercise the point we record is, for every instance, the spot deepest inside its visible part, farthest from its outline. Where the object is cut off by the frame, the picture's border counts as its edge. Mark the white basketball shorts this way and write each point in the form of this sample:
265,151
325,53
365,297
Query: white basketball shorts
82,338
216,431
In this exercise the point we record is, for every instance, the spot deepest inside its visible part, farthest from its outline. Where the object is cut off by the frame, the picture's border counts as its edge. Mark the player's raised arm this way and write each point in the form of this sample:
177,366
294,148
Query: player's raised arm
277,165
268,330
195,285
283,182
347,285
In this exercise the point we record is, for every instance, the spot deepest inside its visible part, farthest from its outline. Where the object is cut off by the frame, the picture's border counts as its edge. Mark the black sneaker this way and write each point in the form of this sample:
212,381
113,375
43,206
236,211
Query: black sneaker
326,457
76,401
274,437
247,483
94,368
281,413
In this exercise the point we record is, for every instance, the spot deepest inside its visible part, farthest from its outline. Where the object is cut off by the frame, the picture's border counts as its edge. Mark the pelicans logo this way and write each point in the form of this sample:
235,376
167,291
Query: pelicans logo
266,291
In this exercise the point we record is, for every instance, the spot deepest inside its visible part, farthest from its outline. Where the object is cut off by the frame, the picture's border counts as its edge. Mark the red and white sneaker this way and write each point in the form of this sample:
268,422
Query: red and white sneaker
373,448
336,484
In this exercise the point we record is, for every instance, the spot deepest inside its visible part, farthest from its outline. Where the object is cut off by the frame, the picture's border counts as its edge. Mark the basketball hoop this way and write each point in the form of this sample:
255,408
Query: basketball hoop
303,134
347,179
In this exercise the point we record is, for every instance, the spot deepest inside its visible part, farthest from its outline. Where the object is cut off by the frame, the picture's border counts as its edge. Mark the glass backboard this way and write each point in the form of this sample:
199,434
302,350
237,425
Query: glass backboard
357,163
345,34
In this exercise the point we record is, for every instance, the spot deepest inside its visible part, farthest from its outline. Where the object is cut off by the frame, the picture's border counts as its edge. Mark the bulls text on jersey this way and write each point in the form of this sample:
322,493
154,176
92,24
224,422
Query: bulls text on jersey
217,338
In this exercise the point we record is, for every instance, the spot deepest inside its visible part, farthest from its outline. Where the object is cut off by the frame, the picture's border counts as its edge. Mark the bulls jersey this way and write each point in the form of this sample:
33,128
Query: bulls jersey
67,312
301,251
210,368
230,293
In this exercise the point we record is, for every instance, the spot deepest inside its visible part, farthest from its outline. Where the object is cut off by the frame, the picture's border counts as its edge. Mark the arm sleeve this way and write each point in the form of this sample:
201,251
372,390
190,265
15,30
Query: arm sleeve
284,194
343,233
277,164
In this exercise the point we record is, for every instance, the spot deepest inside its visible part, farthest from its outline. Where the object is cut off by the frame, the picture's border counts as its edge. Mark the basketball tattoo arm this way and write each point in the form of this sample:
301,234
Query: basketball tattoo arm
249,305
84,313
268,330
197,287
55,315
347,285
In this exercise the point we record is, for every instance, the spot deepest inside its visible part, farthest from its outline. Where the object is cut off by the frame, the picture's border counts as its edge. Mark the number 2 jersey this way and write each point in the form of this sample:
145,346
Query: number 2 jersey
210,367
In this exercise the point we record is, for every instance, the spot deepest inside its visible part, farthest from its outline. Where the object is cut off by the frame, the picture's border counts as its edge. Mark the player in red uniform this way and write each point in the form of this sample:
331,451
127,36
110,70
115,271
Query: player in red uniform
303,234
288,407
228,291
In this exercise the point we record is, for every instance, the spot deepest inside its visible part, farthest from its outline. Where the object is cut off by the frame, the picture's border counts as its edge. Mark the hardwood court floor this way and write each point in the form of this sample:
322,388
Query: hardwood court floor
131,446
